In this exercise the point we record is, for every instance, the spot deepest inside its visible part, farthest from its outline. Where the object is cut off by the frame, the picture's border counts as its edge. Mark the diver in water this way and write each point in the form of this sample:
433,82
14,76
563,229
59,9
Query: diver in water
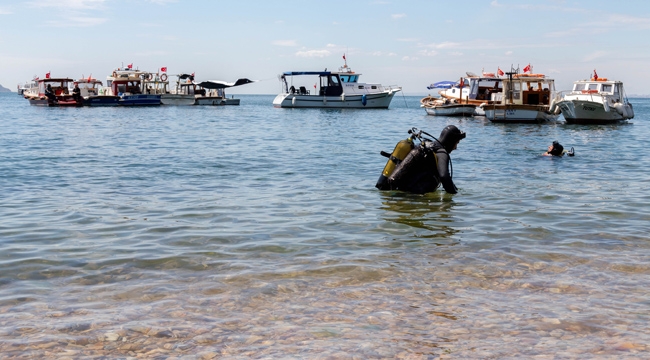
427,166
556,149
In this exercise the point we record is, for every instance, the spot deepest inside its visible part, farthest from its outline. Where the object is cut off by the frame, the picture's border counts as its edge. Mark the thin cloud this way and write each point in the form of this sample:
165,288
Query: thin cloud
428,52
409,58
285,43
77,21
595,55
5,12
508,53
398,16
408,39
495,3
68,4
314,53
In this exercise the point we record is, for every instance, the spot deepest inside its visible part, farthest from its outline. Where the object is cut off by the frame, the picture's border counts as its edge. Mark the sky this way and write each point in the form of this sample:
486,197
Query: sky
392,42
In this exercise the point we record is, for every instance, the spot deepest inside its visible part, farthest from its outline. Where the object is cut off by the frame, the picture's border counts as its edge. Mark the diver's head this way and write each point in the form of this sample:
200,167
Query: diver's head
556,149
450,136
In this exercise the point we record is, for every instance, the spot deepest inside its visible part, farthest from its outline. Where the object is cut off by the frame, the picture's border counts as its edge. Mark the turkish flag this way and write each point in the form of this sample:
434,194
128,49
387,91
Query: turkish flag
527,68
163,69
130,66
499,71
47,76
343,56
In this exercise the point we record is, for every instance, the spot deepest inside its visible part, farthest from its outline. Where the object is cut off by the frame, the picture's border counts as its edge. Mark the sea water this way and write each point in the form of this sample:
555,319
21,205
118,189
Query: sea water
256,232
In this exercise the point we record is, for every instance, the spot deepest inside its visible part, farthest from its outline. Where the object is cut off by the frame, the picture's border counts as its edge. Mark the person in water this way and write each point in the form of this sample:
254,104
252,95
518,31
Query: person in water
425,168
556,149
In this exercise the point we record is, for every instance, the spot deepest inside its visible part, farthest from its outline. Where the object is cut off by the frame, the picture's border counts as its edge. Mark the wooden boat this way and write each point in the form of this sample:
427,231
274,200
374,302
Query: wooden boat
60,93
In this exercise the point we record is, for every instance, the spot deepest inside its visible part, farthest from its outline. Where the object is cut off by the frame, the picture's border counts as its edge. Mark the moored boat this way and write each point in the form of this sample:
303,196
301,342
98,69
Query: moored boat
338,89
526,99
93,93
445,106
127,84
213,92
183,93
595,101
59,95
472,89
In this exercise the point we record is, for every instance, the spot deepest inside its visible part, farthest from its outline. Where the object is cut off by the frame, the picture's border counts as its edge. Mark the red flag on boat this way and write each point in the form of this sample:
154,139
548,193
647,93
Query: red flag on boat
462,82
192,74
343,56
527,68
47,76
499,71
595,75
89,77
314,86
163,69
130,66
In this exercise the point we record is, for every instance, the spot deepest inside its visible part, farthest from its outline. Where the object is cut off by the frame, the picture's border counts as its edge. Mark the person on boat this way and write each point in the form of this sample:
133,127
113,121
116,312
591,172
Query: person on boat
49,93
76,93
556,149
420,173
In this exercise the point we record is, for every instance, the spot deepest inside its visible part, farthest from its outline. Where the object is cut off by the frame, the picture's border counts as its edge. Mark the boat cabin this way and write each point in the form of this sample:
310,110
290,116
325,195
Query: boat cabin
331,83
89,87
601,86
528,89
59,86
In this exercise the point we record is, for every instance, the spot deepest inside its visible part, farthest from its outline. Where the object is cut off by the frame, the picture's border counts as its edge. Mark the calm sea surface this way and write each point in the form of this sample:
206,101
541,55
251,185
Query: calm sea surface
255,232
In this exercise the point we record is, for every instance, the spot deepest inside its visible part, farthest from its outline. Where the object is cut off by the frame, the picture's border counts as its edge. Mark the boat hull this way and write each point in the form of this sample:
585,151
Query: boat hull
210,100
63,102
451,110
519,114
371,101
102,100
590,112
139,100
177,99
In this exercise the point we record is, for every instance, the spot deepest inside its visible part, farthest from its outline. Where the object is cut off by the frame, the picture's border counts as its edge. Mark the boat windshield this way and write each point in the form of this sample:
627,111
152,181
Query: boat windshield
578,87
607,88
349,78
593,86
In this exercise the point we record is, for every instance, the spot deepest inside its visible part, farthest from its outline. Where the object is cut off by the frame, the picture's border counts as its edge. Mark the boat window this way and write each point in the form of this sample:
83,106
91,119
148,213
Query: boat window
334,81
615,90
593,86
578,87
373,87
121,88
607,88
354,78
345,78
360,86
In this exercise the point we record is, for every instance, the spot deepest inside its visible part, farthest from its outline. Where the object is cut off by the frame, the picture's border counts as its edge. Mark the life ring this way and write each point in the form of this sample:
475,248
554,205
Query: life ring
589,91
163,77
149,76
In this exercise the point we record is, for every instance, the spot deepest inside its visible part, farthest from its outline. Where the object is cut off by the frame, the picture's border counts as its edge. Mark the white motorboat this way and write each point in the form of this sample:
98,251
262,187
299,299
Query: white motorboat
595,101
338,89
213,92
473,89
445,107
182,94
526,99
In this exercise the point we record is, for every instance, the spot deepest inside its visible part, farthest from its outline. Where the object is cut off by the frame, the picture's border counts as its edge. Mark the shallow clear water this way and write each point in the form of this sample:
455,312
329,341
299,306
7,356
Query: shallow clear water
250,231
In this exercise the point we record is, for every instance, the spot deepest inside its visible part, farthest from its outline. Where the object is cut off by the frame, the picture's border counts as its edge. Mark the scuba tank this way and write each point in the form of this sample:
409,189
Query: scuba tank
402,149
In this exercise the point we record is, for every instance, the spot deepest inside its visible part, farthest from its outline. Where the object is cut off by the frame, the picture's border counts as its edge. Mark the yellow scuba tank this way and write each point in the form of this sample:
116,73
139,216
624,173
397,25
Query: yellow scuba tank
399,153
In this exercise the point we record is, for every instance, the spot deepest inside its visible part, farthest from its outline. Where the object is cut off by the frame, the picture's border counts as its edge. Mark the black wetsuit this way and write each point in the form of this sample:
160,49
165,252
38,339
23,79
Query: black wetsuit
423,170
